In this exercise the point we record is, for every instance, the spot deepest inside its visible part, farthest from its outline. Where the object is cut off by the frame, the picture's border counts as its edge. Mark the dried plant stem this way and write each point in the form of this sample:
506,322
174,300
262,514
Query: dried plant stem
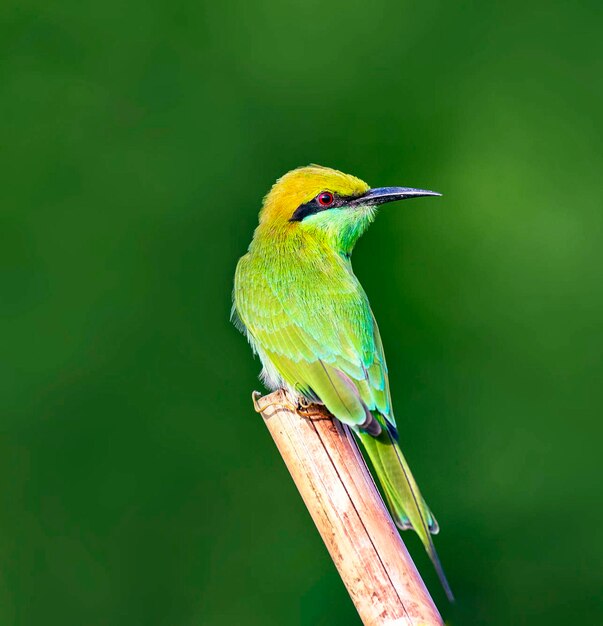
349,513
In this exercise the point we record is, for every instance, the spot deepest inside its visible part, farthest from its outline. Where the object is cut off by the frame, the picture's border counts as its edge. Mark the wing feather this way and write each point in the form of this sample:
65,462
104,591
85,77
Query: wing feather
319,333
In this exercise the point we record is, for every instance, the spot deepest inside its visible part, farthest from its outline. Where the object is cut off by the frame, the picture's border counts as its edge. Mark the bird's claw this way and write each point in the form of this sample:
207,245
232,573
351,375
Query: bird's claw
255,396
303,404
289,402
310,410
303,407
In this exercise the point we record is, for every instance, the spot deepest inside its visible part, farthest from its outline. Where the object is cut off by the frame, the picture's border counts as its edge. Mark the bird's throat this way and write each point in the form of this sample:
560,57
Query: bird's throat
340,229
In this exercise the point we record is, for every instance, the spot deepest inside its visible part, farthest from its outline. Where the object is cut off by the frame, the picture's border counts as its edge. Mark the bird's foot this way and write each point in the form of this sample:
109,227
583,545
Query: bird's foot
290,401
256,395
301,405
310,410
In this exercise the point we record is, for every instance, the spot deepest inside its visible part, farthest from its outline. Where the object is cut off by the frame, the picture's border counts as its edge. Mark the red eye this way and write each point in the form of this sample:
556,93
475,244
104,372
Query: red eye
325,198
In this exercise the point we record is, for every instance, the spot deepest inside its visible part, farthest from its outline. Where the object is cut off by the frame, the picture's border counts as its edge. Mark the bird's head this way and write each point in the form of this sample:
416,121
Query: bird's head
333,206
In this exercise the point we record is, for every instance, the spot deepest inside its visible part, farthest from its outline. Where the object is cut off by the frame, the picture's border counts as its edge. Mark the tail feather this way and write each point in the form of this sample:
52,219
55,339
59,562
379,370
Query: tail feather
402,494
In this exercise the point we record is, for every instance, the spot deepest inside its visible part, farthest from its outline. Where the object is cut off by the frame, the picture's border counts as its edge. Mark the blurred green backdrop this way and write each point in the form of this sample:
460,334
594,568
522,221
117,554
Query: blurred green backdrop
137,485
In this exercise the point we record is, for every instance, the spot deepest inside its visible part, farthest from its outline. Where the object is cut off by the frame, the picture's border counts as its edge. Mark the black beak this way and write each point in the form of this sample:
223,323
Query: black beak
381,195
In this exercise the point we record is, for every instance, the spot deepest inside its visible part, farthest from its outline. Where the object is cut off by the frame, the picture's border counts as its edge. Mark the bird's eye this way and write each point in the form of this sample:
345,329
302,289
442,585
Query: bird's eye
325,198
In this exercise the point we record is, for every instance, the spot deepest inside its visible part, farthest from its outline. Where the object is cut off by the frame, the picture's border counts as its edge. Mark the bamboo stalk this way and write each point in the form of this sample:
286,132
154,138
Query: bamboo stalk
349,513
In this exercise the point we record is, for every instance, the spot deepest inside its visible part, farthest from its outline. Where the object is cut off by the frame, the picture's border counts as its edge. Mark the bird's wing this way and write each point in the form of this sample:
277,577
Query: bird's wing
318,331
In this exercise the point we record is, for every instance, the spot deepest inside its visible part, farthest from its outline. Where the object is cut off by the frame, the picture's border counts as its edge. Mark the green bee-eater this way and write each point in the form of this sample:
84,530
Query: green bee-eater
308,318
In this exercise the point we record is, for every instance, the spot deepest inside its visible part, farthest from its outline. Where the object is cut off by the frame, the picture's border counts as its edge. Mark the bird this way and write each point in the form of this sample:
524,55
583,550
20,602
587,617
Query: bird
308,319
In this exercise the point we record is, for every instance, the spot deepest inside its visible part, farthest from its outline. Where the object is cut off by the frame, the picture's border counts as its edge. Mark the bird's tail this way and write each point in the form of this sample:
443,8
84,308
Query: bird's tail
402,494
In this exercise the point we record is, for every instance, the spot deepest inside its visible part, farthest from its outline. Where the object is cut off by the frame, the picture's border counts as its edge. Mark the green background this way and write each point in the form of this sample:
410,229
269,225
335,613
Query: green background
137,485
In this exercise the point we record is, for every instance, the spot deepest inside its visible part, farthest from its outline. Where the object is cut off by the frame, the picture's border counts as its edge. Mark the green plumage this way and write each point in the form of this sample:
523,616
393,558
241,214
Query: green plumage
309,319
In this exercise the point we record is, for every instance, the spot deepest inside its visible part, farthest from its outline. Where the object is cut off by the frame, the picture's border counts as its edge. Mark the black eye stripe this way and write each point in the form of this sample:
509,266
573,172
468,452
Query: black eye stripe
314,206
